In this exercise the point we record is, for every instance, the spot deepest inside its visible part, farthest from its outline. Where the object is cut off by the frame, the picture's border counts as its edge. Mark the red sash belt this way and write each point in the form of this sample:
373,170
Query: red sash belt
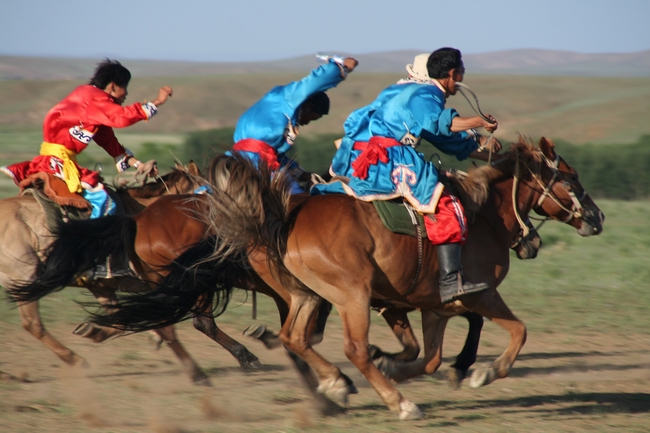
372,152
265,151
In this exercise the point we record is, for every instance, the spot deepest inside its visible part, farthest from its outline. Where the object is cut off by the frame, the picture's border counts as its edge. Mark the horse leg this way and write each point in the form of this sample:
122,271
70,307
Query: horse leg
433,329
104,292
355,315
331,387
168,334
467,357
30,320
207,325
491,305
398,321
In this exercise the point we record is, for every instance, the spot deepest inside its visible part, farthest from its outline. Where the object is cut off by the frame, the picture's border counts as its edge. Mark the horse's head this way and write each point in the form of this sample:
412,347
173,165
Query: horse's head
180,180
562,197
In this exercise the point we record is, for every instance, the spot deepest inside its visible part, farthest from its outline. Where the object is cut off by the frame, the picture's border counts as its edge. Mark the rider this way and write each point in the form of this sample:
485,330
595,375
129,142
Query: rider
378,155
268,129
89,113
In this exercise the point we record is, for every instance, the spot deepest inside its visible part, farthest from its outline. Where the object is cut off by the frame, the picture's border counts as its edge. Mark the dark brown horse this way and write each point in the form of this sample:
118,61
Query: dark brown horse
336,248
25,237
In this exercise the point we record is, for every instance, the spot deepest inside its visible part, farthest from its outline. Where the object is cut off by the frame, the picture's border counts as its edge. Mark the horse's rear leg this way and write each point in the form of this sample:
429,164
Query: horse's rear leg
398,321
491,305
31,322
331,387
168,334
246,359
355,315
467,357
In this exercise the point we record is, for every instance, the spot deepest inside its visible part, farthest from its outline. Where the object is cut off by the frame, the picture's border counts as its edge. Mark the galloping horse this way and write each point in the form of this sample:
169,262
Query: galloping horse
338,249
25,237
167,238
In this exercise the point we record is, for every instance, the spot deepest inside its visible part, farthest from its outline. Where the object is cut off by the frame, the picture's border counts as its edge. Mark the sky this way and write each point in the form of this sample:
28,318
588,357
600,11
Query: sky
258,30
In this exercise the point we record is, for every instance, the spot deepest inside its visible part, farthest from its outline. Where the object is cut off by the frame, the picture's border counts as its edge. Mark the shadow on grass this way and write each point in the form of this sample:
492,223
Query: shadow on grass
573,403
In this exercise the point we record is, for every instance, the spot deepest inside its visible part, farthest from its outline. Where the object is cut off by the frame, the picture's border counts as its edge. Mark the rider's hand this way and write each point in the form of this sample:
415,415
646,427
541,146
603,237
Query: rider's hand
492,125
494,145
149,168
350,63
164,93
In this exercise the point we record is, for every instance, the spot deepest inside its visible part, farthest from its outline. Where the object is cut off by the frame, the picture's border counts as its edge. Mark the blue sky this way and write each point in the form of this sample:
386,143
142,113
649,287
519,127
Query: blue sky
250,30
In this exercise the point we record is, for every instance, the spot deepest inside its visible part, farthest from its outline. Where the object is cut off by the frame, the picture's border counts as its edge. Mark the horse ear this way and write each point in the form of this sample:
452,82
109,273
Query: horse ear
193,169
547,147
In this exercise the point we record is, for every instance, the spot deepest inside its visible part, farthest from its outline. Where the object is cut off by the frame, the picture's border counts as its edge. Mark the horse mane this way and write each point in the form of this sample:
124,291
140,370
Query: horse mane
473,188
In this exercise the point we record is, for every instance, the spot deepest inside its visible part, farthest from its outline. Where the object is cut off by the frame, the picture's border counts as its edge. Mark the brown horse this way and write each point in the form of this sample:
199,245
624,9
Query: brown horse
167,239
25,237
336,248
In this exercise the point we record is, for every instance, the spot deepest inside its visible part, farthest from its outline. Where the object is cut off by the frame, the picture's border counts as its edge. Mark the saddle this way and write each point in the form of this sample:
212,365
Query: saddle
398,219
58,203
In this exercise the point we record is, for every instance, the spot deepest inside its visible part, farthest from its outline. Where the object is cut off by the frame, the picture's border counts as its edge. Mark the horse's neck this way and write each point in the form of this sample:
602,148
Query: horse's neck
500,209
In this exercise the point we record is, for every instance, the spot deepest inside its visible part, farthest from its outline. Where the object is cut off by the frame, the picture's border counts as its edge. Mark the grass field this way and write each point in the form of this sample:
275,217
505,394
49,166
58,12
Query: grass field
585,300
583,369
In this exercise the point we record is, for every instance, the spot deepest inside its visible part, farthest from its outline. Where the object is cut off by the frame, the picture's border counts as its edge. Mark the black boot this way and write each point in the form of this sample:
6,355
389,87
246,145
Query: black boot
451,278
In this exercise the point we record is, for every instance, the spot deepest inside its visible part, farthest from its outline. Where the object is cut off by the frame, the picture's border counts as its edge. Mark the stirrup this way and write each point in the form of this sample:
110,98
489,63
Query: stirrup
461,290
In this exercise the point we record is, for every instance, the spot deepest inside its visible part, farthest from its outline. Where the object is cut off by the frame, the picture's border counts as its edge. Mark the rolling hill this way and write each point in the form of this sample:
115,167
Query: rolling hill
512,62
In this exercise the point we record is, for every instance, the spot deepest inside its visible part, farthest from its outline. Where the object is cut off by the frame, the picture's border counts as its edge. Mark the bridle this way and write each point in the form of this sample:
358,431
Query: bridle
576,211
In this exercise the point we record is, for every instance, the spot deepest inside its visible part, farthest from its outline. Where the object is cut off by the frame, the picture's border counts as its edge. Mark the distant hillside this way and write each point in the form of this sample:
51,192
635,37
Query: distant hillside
513,62
575,109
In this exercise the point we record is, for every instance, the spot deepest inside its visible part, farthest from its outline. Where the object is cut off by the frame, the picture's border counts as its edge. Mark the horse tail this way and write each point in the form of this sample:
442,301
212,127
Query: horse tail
248,208
193,286
79,246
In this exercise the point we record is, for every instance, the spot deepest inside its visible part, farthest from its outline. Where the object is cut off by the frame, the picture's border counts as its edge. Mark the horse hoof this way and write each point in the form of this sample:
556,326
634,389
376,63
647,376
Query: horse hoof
251,365
336,390
409,410
455,377
201,381
374,352
83,329
254,331
387,366
482,375
259,332
155,339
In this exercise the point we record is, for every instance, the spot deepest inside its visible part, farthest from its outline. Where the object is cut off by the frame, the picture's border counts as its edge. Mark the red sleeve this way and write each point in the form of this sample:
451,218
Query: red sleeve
103,111
105,138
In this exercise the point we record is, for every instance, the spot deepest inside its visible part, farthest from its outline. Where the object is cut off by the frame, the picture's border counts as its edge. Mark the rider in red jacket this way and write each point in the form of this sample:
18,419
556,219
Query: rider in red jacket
90,112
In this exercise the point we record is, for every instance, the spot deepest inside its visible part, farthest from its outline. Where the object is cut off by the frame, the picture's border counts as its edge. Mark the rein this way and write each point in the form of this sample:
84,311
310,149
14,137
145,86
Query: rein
575,212
462,87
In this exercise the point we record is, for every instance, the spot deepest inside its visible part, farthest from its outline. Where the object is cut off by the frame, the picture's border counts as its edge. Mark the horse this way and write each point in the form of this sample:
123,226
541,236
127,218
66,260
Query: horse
26,236
165,240
336,248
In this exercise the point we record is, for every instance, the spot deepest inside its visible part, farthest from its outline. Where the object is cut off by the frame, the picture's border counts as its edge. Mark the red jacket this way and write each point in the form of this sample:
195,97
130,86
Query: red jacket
90,113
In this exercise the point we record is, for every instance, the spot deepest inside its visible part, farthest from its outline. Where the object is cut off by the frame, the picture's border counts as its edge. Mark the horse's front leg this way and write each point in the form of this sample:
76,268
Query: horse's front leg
433,329
30,320
467,357
398,321
104,292
490,304
206,324
168,334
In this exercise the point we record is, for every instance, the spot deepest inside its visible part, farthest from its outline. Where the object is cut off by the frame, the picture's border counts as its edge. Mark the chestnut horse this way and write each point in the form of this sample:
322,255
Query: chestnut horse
335,247
166,240
25,237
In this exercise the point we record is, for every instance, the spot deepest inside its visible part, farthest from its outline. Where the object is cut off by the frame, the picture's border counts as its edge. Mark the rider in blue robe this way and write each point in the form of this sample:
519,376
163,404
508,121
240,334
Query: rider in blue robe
268,129
378,156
